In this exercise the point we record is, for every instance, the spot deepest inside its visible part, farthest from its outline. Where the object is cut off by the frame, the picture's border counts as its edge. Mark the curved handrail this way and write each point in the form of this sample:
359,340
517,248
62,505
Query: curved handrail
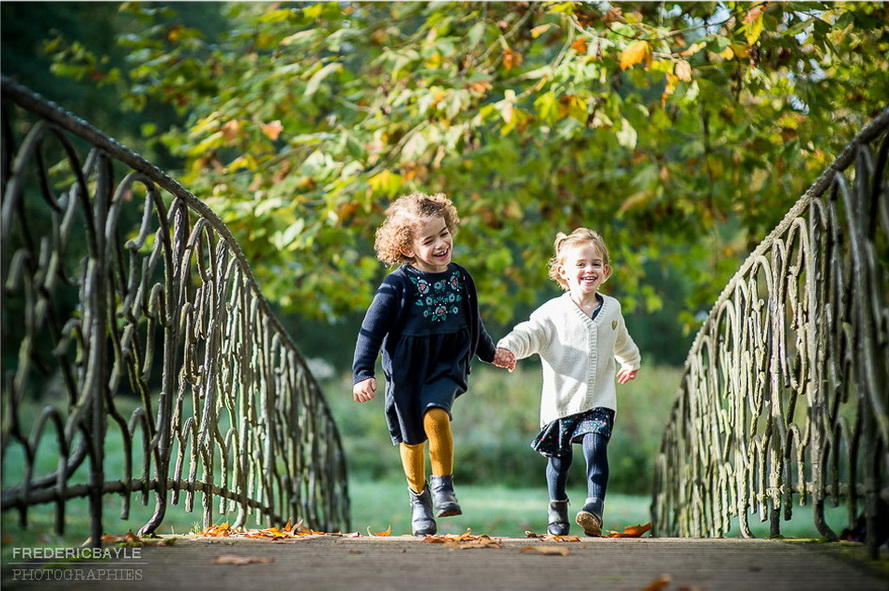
784,396
170,321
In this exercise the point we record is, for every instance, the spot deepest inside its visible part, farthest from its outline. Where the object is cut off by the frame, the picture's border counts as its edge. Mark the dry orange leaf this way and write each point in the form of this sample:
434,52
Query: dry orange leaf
237,560
381,534
127,538
231,130
463,541
552,538
580,46
479,86
512,59
632,531
223,530
658,584
634,53
548,550
273,130
683,70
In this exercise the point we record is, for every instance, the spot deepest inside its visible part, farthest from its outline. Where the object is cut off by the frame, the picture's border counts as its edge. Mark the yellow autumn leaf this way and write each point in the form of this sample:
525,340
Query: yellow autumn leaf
540,30
634,53
693,49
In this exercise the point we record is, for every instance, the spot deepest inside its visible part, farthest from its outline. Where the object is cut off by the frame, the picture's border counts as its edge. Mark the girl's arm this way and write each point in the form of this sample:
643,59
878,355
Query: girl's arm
527,338
377,323
626,353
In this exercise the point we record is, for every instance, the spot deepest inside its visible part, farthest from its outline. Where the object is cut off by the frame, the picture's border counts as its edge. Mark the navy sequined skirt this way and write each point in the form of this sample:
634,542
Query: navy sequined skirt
555,439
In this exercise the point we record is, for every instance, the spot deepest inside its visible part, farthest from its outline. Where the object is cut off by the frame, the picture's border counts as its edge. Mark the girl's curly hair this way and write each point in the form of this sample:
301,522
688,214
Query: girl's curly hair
578,237
397,231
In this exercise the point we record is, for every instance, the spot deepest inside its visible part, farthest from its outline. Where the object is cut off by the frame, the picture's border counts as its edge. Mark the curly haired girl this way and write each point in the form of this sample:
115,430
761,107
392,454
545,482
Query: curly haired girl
425,319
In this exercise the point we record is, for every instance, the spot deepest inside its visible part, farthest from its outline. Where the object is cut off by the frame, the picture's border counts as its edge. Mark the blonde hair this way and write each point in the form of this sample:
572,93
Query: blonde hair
578,237
396,234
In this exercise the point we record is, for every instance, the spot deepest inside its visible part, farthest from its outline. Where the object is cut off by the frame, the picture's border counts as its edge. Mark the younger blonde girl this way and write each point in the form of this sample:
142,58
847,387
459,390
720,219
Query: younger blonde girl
578,337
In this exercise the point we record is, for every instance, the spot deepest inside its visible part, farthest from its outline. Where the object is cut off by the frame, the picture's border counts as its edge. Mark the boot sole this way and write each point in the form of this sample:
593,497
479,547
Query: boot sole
449,512
590,524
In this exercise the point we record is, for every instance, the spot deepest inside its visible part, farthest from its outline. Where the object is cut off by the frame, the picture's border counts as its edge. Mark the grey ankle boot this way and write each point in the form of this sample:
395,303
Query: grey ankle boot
422,522
443,495
557,518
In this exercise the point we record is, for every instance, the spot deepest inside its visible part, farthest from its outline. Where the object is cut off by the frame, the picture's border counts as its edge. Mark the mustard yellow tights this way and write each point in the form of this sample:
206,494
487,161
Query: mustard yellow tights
437,425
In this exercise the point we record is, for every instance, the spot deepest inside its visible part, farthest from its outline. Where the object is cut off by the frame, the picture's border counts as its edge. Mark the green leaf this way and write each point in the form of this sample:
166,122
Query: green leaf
319,76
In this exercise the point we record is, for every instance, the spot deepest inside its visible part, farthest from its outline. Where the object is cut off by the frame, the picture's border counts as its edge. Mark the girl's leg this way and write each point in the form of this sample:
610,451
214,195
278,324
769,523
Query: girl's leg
437,423
413,460
595,450
557,469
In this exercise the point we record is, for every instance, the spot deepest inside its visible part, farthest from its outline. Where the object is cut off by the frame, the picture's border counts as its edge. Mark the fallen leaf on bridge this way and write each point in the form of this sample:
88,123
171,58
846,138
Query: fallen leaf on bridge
237,560
463,541
270,533
223,530
382,534
658,584
548,550
289,531
552,538
127,538
131,539
632,531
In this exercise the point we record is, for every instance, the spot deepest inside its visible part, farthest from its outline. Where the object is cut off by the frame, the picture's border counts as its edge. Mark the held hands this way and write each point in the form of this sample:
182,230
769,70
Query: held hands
504,358
364,391
626,375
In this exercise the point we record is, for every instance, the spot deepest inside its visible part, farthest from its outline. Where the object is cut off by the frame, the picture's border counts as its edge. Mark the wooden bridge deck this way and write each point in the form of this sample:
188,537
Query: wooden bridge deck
405,563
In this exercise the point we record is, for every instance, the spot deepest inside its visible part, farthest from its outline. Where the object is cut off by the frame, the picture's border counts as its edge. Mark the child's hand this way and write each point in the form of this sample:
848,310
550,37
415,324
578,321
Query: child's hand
504,358
626,375
364,391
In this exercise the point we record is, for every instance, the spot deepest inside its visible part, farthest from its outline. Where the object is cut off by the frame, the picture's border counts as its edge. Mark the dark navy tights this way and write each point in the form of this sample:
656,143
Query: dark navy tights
595,451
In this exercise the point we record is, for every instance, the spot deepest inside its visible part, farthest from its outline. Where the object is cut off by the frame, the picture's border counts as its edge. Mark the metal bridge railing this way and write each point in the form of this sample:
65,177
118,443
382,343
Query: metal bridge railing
166,322
786,387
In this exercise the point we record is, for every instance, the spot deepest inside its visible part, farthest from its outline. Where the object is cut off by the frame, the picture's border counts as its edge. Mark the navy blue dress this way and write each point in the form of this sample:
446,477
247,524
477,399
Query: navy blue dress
428,327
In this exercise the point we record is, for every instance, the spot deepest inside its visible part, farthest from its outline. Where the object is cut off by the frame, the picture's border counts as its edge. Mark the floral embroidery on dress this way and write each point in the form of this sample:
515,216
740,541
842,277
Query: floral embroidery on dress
439,298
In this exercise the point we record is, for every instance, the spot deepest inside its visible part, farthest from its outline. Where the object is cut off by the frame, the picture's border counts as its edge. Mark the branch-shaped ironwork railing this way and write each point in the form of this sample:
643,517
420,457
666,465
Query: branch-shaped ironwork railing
786,387
158,340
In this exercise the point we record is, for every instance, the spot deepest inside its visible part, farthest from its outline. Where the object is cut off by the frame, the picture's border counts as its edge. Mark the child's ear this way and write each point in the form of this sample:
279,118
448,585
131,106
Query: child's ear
407,252
608,271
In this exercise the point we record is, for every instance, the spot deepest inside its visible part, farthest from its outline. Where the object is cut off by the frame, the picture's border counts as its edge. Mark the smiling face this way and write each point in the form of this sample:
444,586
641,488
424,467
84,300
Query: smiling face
584,269
432,245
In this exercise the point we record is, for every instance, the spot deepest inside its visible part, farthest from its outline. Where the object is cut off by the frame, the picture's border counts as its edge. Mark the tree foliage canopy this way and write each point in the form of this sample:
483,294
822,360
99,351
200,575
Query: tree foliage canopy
681,131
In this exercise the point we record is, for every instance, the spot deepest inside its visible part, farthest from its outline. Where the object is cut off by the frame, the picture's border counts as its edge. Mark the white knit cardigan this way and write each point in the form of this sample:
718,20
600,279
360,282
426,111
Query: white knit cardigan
577,353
